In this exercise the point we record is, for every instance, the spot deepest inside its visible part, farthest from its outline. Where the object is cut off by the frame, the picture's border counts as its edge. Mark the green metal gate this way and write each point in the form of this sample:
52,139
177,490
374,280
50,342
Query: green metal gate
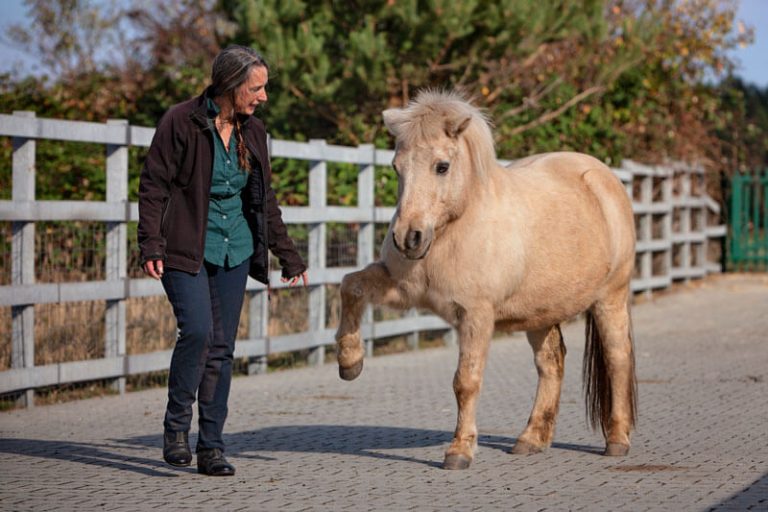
748,236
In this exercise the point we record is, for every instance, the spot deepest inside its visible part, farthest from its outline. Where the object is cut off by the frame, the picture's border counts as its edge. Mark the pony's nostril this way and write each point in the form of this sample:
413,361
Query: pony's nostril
413,240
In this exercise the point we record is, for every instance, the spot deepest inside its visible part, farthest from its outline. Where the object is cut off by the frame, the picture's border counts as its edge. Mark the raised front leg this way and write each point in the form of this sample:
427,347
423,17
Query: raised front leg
549,356
372,285
475,330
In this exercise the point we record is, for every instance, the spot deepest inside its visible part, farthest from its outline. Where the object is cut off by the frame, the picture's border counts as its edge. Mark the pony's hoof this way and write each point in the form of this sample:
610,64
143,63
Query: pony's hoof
616,450
456,461
352,372
524,448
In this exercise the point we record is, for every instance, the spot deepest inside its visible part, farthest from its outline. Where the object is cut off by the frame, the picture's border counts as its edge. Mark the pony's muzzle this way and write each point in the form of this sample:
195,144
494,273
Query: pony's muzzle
415,244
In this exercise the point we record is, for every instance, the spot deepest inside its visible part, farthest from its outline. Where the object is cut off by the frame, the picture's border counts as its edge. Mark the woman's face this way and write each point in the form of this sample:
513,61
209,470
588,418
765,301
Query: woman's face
253,92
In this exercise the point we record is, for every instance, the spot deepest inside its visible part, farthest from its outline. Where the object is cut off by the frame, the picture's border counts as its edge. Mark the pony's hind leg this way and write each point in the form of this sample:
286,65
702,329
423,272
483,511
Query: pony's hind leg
609,372
374,285
549,356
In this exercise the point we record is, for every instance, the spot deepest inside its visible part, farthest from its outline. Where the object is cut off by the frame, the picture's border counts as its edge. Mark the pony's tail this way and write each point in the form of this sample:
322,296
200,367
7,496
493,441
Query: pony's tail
596,379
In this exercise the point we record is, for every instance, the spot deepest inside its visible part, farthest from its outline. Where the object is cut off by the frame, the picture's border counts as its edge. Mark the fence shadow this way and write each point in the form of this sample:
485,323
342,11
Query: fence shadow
93,454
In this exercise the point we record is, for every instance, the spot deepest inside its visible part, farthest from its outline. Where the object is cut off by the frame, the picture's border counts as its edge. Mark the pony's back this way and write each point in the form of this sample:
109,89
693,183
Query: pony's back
576,183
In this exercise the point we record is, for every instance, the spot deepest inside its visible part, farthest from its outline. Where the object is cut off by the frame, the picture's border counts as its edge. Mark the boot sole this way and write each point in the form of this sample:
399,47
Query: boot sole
203,472
178,464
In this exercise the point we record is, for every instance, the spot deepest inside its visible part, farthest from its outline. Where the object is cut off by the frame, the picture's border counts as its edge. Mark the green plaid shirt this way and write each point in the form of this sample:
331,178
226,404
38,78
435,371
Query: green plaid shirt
228,240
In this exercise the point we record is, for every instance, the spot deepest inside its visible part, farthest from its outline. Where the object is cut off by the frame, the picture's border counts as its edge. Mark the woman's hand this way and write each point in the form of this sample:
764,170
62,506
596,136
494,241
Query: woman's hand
153,268
292,281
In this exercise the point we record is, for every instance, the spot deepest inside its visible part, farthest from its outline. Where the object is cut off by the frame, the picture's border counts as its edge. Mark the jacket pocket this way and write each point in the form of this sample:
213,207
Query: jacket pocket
183,176
165,219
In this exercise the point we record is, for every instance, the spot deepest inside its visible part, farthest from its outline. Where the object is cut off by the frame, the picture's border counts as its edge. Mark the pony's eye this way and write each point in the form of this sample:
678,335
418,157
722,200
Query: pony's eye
442,167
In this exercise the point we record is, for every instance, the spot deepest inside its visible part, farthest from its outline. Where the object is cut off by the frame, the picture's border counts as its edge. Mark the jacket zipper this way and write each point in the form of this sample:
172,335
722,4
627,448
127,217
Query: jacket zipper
264,229
165,214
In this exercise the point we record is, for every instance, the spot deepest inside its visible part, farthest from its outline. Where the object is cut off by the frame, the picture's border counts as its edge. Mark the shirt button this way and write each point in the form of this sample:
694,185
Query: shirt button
226,239
227,182
223,216
228,162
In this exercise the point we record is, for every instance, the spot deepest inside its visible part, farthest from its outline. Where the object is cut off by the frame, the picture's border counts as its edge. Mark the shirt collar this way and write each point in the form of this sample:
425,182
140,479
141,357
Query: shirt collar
212,108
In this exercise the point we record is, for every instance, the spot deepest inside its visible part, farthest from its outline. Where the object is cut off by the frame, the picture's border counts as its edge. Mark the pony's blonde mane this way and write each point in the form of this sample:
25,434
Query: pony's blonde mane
426,117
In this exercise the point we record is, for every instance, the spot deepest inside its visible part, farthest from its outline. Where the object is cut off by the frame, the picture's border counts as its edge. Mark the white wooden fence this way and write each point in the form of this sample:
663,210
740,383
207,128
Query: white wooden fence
672,217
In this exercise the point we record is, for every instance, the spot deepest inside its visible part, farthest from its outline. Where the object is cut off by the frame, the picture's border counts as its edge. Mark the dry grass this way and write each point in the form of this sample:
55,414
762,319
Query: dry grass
69,331
5,338
75,331
288,311
150,325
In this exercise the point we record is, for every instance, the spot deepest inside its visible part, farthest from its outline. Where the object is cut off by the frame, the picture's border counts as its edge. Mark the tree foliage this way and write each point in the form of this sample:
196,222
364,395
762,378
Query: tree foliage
614,78
742,125
138,77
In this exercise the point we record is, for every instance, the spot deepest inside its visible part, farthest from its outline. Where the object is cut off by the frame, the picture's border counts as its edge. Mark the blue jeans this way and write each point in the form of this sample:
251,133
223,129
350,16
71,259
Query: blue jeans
207,308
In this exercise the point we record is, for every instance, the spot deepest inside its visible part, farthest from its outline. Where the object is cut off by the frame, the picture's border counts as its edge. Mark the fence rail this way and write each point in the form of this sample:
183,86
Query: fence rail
673,218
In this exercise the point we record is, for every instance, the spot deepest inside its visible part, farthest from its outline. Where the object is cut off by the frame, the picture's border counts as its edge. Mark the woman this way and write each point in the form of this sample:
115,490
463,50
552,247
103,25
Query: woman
207,217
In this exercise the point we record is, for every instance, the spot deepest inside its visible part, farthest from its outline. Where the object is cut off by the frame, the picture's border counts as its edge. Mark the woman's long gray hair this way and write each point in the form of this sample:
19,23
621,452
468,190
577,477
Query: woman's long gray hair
230,69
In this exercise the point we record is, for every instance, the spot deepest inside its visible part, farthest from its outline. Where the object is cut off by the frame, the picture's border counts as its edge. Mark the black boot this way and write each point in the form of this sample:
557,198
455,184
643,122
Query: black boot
213,463
176,450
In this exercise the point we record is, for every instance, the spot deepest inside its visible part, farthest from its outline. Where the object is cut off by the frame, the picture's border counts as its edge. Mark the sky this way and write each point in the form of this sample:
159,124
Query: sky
753,60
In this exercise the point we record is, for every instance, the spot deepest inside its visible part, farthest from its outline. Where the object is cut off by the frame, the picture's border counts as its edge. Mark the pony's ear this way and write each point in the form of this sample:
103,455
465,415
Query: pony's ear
393,118
455,126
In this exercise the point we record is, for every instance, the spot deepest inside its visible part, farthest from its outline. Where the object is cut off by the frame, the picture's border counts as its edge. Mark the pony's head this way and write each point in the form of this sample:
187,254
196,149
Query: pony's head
443,149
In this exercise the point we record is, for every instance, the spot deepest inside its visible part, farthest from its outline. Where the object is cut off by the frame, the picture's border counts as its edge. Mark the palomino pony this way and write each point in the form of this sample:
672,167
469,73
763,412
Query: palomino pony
519,248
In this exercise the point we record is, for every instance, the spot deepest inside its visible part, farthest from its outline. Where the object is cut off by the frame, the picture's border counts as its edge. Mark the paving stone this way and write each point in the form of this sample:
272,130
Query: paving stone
305,440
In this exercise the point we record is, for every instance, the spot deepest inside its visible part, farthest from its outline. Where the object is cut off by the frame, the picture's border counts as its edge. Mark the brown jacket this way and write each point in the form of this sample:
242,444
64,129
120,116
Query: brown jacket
174,192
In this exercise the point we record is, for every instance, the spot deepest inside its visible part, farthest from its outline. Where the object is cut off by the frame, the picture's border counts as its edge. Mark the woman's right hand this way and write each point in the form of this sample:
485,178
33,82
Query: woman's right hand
153,268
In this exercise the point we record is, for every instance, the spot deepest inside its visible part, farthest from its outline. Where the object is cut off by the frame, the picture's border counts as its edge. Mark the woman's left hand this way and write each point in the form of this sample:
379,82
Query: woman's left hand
292,281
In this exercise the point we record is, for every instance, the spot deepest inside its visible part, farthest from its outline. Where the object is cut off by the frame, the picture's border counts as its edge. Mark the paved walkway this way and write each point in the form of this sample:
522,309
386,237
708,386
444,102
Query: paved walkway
305,440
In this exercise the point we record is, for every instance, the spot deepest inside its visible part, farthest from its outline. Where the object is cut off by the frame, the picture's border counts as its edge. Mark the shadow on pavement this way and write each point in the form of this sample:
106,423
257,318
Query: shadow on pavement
367,441
752,497
93,454
506,443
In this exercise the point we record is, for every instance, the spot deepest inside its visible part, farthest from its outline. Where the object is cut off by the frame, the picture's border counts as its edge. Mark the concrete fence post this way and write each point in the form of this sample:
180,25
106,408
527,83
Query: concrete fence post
117,250
366,243
318,179
258,327
23,257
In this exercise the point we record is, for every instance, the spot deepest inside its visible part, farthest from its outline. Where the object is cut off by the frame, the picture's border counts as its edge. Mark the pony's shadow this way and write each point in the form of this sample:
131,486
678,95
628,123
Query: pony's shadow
506,443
